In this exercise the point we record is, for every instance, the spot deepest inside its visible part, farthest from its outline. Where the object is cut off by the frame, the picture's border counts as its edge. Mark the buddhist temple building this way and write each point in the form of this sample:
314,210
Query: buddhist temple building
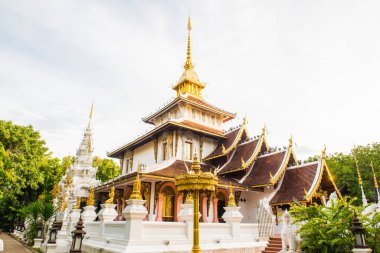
190,125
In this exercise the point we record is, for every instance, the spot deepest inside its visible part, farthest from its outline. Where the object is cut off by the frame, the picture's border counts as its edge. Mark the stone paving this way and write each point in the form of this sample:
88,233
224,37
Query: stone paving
12,246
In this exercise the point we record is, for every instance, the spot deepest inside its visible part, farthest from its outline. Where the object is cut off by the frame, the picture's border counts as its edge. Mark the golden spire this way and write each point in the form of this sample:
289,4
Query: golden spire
92,108
136,193
89,143
291,140
374,177
189,82
188,65
358,171
231,198
195,166
90,200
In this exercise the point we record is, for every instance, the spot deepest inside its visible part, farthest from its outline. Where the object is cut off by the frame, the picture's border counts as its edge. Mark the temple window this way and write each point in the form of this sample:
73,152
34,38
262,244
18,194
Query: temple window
127,164
193,113
189,150
203,117
213,120
168,204
164,151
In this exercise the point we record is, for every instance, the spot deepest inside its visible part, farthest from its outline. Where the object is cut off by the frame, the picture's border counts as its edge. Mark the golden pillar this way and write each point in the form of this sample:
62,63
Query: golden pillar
196,247
192,183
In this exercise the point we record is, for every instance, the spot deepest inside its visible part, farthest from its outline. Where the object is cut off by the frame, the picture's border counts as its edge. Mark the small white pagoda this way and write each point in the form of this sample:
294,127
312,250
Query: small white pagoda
82,173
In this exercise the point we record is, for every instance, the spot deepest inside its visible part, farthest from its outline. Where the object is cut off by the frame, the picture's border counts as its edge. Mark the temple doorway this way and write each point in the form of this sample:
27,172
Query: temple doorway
221,205
168,202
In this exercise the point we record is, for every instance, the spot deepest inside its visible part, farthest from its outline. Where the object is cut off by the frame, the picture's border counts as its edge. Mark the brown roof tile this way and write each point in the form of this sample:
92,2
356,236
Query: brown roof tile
244,151
230,138
269,163
179,167
296,179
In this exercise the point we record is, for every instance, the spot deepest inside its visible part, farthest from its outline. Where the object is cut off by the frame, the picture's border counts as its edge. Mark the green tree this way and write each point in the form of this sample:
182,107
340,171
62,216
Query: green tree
326,229
107,168
343,168
26,169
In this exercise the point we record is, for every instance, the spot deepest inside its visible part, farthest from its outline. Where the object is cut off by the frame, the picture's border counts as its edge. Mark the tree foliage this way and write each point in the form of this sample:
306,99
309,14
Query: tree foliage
343,168
107,168
326,229
41,210
26,169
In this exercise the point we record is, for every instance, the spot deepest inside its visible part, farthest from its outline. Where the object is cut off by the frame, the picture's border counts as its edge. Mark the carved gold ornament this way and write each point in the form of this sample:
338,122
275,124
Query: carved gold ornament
111,196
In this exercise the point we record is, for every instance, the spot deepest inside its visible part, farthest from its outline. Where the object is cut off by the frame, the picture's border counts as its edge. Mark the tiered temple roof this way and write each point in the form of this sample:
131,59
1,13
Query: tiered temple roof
247,163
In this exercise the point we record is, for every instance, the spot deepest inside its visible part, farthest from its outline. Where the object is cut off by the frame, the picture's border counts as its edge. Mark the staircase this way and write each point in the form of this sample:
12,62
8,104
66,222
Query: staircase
274,245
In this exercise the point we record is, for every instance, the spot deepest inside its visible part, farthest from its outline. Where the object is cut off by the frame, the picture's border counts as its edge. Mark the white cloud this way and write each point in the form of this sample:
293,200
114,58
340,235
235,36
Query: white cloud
303,67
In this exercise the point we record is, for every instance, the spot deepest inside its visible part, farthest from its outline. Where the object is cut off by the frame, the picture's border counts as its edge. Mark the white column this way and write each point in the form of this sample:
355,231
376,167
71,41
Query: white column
152,215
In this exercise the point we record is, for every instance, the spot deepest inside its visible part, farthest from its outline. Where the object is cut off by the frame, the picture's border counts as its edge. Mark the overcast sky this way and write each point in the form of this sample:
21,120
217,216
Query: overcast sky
310,68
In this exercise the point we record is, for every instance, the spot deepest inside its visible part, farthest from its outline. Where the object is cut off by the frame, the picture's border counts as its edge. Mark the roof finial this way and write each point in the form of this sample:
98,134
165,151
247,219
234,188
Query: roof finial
291,140
324,152
264,129
188,65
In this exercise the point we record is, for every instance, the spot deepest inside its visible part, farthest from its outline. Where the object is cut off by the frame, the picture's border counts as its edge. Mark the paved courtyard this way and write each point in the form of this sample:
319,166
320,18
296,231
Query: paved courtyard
12,246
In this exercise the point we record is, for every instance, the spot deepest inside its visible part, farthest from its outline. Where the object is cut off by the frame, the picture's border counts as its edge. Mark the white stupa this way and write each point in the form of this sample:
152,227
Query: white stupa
81,172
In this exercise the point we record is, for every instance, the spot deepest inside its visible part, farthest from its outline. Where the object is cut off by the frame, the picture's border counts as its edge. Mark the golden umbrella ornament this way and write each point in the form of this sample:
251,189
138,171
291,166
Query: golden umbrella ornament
193,182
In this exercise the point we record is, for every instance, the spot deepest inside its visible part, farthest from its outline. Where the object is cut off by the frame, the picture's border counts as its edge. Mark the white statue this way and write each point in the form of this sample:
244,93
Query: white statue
332,198
285,219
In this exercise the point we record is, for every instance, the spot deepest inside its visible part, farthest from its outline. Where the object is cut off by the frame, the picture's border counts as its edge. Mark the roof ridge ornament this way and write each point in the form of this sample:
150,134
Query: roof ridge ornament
291,140
323,155
264,130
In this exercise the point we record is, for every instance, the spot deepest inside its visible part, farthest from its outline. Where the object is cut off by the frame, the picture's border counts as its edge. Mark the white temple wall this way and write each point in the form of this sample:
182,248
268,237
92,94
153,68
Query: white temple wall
188,136
143,154
250,207
208,146
171,237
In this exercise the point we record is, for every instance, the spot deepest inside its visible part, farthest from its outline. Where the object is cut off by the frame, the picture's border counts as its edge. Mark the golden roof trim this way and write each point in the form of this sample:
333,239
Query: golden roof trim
274,179
253,157
172,103
233,145
156,129
324,166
